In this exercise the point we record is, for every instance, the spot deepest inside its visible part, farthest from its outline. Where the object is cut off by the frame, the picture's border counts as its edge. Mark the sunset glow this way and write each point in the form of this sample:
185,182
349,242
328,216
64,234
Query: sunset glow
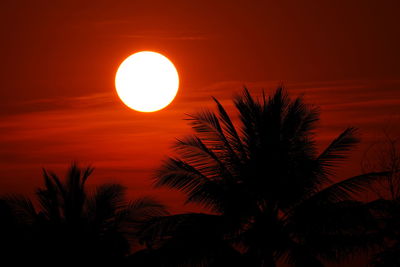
200,133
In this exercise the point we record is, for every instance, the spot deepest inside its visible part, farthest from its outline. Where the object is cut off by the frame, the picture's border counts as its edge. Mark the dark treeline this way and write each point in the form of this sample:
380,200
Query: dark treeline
272,198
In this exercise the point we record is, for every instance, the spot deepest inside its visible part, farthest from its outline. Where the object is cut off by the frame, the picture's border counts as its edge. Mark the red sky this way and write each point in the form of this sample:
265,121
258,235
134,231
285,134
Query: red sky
59,58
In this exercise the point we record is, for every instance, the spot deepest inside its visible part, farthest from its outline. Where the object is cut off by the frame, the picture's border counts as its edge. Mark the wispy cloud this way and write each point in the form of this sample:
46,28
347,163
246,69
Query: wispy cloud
127,146
158,36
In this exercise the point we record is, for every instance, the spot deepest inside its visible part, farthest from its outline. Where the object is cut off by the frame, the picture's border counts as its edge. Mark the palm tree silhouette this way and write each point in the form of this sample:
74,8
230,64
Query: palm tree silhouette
76,227
271,193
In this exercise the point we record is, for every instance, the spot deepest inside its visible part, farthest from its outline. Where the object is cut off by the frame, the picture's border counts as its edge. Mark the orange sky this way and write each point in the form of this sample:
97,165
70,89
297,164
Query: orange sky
59,58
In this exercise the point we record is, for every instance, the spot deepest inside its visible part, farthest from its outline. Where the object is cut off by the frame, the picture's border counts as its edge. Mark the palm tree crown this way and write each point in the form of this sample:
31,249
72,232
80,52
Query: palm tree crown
75,226
273,191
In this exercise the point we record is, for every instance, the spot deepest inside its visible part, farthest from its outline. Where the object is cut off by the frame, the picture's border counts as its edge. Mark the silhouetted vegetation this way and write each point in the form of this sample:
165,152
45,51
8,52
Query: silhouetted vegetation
272,199
272,194
73,227
386,208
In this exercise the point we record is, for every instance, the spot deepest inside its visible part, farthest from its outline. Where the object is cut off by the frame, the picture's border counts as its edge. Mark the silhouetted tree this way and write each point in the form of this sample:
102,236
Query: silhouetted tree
272,195
75,227
386,157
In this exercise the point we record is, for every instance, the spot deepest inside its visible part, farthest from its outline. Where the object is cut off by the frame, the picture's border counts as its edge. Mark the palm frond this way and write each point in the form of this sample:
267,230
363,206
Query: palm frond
276,108
73,180
344,190
72,192
299,119
105,202
230,130
195,153
179,175
144,209
207,125
250,113
86,173
184,177
338,150
49,198
57,181
22,207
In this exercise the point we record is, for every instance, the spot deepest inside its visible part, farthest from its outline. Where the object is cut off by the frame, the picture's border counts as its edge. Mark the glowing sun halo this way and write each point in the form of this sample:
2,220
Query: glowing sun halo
147,81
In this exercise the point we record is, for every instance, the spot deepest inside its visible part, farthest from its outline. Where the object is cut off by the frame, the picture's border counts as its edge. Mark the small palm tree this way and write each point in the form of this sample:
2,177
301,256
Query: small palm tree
271,193
74,226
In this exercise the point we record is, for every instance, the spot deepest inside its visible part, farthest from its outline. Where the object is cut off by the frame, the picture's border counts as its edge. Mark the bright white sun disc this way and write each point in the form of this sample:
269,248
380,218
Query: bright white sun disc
147,81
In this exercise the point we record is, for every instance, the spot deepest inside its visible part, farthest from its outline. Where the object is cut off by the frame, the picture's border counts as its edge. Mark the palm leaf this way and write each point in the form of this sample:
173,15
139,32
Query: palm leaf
184,177
338,150
145,208
199,156
105,202
344,190
177,174
22,207
230,130
208,126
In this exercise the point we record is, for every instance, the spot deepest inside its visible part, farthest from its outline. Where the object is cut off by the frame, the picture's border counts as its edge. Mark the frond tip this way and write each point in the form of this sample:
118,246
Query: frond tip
338,149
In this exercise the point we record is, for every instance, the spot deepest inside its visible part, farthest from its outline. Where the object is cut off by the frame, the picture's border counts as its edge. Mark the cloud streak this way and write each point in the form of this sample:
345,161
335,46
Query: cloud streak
99,129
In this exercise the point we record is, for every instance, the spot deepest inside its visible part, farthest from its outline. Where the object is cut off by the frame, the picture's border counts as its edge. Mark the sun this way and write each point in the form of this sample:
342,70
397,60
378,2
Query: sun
147,81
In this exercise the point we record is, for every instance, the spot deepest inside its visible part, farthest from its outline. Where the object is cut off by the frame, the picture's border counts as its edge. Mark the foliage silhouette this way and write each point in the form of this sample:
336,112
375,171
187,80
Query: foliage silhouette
75,227
387,208
272,198
271,193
